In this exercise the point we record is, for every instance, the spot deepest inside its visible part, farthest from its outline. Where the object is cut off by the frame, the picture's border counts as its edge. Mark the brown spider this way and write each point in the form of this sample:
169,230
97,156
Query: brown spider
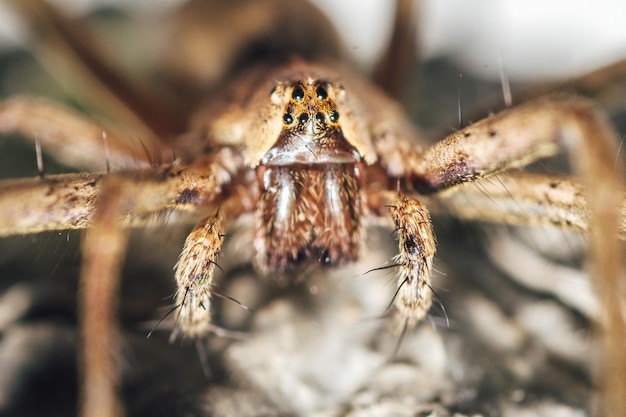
308,154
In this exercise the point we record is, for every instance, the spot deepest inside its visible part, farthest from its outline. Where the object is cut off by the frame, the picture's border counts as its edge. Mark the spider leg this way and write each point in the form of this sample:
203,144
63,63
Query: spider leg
416,249
73,138
513,139
523,199
103,252
68,201
540,129
194,275
197,262
71,54
105,204
104,245
399,62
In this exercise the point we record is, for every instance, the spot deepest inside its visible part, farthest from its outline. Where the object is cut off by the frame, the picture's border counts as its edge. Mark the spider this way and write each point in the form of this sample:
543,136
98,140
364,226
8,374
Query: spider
314,153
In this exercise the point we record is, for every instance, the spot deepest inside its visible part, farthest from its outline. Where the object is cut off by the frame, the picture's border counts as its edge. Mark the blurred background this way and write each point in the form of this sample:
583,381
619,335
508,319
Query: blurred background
533,39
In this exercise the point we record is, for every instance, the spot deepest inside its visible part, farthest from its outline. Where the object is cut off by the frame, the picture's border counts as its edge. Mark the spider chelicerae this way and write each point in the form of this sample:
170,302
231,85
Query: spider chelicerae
308,154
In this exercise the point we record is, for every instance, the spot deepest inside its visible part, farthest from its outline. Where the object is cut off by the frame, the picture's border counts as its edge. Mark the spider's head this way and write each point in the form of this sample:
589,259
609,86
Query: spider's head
311,131
302,114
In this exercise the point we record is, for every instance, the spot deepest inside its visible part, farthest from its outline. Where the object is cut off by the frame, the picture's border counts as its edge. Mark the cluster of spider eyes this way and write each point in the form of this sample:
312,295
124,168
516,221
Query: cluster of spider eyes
321,94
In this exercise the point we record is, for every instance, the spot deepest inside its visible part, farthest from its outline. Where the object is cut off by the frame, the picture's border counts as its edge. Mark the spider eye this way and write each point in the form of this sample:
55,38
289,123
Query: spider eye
287,118
333,116
303,118
319,117
298,93
321,93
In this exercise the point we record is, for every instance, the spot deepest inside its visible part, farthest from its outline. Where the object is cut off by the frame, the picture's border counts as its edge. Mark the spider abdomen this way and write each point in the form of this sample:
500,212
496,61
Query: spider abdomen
308,213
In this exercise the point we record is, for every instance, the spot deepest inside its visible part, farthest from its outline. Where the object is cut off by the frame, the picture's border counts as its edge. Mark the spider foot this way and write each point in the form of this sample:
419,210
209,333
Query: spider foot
194,276
416,245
